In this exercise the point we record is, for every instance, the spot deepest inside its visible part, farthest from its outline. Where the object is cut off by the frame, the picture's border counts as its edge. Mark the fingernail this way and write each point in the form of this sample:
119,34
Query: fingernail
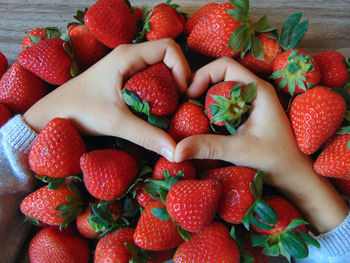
167,153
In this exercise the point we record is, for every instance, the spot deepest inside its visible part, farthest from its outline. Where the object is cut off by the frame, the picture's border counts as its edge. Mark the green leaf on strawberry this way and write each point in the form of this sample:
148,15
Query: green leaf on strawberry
161,213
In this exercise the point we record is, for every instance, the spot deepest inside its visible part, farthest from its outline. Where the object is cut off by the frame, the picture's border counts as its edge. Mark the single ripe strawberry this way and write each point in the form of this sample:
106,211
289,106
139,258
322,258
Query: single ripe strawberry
271,50
5,114
212,244
200,15
20,89
156,86
43,204
186,168
57,149
35,35
164,22
193,203
107,173
86,48
334,160
315,116
137,12
236,197
342,185
50,60
3,64
142,198
295,71
154,234
53,245
111,248
111,21
210,37
334,70
189,119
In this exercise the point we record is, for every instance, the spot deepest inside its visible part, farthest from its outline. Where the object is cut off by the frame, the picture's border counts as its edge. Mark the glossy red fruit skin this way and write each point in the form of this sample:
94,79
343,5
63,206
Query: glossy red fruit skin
156,86
37,32
3,64
5,114
142,198
193,203
236,197
286,212
334,71
20,89
212,244
111,248
41,204
154,234
200,15
53,245
48,60
57,149
107,173
111,22
210,37
189,119
315,116
334,160
342,185
173,168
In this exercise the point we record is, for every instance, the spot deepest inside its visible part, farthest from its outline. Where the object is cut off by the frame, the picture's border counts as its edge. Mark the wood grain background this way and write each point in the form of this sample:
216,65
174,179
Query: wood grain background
329,20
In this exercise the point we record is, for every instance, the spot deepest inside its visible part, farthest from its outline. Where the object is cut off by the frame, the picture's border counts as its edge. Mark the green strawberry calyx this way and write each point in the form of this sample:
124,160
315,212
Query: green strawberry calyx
74,70
50,32
143,25
230,111
143,108
292,242
260,214
139,255
294,73
244,37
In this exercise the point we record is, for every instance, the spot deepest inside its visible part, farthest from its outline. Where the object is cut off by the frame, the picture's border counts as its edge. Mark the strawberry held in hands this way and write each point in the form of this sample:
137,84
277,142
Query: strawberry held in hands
20,88
111,21
107,173
186,168
55,246
315,116
51,60
57,149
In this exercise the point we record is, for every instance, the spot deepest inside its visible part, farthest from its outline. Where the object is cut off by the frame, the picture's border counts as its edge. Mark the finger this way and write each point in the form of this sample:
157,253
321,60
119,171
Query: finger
138,131
223,69
149,53
228,148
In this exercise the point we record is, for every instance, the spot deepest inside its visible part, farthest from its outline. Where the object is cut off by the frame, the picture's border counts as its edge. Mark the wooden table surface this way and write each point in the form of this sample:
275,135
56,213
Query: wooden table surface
329,27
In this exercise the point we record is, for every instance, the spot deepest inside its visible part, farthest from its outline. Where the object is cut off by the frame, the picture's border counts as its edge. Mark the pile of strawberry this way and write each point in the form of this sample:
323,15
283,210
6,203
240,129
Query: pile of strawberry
109,200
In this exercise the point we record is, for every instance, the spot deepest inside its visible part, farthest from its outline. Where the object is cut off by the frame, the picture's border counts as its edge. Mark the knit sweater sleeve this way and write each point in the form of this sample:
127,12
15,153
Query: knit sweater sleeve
16,181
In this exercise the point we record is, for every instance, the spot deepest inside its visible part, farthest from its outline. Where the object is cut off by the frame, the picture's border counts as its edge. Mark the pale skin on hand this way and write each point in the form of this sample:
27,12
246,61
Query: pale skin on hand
265,141
94,103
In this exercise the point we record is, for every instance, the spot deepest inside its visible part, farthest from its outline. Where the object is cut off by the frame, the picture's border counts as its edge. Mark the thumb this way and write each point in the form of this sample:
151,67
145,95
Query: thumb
209,146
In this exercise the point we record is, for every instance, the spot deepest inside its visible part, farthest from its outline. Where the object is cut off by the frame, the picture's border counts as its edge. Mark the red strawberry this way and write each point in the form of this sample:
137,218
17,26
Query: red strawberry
193,203
255,253
189,119
227,101
201,14
111,247
155,234
212,244
142,198
334,70
334,160
107,173
86,48
5,114
3,64
35,35
271,50
52,245
186,167
111,21
43,205
236,196
163,256
207,164
295,71
315,115
137,13
20,89
49,60
342,185
57,149
211,36
156,86
164,22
